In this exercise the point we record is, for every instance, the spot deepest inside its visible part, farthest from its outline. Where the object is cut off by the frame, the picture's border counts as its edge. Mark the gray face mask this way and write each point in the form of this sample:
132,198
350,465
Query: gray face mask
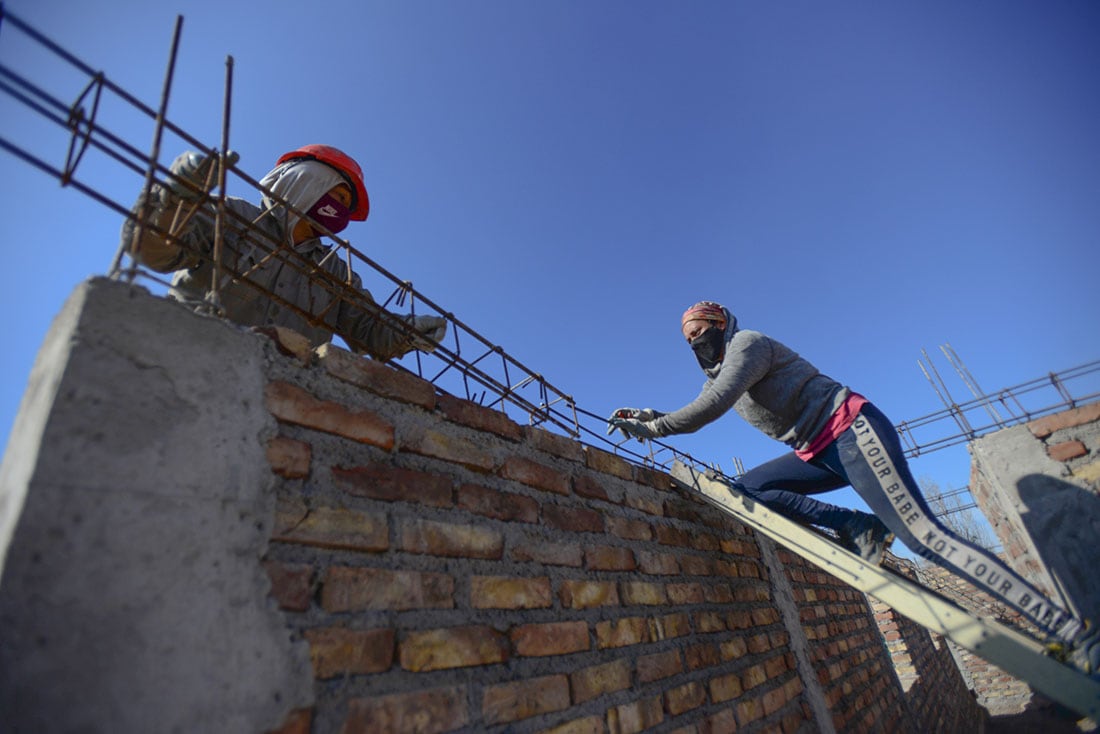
709,347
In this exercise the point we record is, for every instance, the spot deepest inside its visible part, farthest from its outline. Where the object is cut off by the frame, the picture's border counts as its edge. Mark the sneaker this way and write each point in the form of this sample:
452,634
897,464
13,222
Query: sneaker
866,536
1083,652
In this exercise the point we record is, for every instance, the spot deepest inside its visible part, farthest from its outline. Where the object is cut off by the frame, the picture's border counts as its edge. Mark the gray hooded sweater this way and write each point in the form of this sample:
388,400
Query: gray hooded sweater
768,384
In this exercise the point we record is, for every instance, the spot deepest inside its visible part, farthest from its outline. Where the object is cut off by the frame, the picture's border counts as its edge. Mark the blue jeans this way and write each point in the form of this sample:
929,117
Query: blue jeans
869,458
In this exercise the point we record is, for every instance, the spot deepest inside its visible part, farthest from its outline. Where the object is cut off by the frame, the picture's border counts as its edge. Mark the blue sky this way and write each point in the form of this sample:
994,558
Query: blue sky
860,180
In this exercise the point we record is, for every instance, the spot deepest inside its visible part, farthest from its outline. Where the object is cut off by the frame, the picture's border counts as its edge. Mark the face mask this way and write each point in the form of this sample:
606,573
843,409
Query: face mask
330,212
709,347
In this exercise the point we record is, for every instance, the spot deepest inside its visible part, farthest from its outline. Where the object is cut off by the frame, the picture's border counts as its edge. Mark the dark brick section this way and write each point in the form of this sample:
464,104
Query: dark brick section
452,570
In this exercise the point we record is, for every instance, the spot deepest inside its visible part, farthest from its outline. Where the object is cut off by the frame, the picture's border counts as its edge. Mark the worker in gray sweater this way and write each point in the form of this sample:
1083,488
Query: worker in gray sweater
838,438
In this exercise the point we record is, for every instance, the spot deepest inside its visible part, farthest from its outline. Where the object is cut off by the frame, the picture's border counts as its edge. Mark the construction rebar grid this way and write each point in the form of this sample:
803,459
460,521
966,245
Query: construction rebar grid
465,364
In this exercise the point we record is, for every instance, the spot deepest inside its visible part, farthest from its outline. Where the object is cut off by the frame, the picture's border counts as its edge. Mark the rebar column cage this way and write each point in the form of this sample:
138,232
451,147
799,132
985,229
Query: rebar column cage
466,364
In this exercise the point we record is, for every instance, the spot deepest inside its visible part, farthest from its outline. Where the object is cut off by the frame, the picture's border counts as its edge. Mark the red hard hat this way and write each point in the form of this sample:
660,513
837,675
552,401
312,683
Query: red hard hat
343,163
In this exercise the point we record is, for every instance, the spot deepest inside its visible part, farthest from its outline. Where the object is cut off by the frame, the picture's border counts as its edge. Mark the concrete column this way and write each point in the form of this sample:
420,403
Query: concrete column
135,505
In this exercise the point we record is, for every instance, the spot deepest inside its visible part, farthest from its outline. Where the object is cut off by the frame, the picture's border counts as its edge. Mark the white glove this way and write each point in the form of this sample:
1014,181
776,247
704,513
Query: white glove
430,331
194,169
637,422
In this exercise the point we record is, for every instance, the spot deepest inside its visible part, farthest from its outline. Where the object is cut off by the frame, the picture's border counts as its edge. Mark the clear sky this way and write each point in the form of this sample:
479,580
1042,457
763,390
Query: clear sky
859,180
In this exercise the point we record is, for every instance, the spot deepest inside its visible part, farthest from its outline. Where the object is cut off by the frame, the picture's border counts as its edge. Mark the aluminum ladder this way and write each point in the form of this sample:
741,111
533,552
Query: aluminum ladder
1012,651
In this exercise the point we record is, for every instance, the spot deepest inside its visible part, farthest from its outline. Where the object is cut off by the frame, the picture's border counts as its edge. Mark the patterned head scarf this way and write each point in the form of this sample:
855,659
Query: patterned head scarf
706,311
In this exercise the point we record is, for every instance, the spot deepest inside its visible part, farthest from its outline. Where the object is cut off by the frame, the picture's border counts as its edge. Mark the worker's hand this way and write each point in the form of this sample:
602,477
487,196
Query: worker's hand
637,422
192,171
430,332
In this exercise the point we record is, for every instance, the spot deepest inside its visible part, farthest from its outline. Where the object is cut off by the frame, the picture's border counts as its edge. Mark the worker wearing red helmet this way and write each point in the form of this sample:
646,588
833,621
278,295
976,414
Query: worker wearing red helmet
312,192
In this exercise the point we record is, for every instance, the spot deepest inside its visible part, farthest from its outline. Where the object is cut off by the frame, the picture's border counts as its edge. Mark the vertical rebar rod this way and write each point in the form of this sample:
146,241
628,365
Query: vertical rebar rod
214,297
154,153
968,379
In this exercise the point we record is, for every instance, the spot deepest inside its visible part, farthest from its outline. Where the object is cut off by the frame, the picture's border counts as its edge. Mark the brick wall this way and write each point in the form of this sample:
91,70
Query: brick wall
258,537
453,570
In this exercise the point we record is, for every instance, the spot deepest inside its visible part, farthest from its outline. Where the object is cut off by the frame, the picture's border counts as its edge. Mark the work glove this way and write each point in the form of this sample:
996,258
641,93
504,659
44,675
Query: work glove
194,169
640,423
430,331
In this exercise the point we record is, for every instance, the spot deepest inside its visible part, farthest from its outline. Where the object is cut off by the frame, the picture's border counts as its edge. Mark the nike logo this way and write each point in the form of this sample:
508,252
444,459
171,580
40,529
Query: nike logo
328,210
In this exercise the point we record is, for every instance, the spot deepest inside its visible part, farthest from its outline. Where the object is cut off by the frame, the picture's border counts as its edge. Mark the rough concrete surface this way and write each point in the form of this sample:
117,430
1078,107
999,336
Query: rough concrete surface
1060,517
167,626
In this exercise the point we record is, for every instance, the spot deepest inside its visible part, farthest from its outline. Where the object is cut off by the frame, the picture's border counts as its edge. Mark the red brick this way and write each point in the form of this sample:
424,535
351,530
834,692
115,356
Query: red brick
424,712
725,687
669,626
552,638
645,504
722,722
291,404
289,458
288,342
501,592
378,377
346,589
1066,450
328,527
572,519
706,542
652,478
1047,425
705,655
549,554
391,483
524,699
606,463
454,541
551,443
497,505
636,716
587,725
535,475
709,622
685,698
659,665
643,593
588,594
748,711
673,536
452,647
718,593
681,509
336,651
609,558
621,632
590,487
753,677
733,649
658,564
774,700
685,593
298,721
452,449
696,566
291,584
479,417
589,683
629,529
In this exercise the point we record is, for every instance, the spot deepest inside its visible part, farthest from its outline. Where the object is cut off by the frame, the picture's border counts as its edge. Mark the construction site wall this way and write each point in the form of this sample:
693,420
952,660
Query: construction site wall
213,529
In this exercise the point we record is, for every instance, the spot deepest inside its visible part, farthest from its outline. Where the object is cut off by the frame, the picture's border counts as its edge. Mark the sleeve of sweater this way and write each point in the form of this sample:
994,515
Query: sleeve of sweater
748,360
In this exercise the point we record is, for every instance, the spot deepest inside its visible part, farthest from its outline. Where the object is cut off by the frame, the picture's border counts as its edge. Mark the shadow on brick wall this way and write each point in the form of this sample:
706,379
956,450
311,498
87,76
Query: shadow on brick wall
1063,520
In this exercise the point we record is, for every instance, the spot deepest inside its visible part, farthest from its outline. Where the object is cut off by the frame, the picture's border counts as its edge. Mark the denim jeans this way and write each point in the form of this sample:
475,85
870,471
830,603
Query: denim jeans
869,458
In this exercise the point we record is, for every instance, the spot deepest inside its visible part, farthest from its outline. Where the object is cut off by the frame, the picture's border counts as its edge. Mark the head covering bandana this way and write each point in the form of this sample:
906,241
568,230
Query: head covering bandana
301,183
706,311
